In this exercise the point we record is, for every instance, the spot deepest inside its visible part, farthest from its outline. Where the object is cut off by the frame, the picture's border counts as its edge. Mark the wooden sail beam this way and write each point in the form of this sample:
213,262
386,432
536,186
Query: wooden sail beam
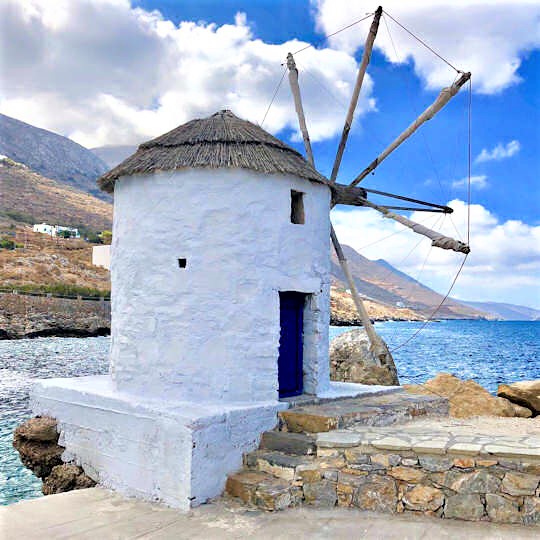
443,98
366,56
379,350
293,81
437,239
355,196
413,209
445,209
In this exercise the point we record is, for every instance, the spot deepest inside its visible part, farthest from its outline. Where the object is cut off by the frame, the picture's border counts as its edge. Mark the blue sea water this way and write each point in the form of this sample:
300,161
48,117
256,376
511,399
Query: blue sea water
487,352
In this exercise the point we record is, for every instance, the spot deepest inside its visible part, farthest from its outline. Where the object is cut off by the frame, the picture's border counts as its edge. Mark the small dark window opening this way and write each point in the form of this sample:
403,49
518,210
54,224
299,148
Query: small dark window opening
182,263
297,207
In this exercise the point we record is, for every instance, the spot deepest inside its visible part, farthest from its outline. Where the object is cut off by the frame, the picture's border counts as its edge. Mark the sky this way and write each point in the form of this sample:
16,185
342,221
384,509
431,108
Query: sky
109,72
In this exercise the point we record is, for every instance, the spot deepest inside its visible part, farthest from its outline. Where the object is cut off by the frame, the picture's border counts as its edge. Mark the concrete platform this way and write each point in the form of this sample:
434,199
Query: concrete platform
97,513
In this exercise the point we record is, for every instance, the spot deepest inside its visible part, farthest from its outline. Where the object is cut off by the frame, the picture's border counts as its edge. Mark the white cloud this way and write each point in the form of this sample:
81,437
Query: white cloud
487,37
103,72
499,152
504,263
477,181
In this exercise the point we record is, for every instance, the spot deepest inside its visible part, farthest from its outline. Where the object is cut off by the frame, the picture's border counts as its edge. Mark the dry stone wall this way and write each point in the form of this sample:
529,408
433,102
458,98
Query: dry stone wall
460,487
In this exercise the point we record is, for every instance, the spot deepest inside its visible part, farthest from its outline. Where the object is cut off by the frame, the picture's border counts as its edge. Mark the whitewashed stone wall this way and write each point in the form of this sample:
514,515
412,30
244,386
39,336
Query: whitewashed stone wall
210,332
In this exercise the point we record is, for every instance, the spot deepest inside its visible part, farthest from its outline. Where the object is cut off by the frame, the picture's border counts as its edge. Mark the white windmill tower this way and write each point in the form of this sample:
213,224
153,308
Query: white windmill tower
220,275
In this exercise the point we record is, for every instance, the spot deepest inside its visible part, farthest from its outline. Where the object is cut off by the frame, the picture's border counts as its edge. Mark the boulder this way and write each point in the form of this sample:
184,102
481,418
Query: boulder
40,428
524,394
467,398
36,441
66,477
352,361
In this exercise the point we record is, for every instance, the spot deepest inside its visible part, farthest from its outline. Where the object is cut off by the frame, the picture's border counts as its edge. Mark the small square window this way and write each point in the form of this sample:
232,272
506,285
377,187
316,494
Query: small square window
297,207
182,263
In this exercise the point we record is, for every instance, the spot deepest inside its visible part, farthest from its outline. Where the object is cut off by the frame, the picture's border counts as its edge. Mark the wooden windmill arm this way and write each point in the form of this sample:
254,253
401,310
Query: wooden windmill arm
443,98
437,239
366,56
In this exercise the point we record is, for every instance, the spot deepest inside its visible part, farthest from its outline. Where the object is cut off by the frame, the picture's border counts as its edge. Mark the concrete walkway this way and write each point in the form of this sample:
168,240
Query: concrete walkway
99,514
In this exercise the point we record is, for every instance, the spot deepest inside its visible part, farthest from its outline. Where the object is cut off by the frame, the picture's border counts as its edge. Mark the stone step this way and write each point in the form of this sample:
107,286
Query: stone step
382,410
262,490
298,444
278,464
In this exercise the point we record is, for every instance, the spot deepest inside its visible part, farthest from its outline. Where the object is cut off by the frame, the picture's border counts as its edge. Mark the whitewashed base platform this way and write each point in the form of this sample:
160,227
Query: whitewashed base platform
178,453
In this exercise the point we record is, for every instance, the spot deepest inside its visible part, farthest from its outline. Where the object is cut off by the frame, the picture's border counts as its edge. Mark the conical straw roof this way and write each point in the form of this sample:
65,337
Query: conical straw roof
220,141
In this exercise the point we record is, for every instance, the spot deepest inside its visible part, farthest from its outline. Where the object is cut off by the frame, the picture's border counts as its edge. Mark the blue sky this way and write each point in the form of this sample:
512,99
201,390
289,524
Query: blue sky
107,72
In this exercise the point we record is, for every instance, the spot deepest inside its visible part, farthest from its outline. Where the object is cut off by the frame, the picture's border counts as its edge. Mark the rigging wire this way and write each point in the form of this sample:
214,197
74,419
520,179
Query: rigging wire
387,273
417,277
469,162
444,193
424,43
273,96
428,320
320,82
394,233
368,15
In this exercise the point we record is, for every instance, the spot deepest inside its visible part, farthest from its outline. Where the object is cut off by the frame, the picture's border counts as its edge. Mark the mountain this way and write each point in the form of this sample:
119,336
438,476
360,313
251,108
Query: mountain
381,282
51,155
113,155
27,197
507,312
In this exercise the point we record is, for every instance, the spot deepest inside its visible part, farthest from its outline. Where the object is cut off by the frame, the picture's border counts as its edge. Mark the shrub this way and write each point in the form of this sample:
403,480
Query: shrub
6,243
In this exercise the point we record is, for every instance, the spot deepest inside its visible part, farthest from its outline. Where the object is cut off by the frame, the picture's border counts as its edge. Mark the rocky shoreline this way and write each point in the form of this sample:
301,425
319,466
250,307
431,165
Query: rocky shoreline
24,316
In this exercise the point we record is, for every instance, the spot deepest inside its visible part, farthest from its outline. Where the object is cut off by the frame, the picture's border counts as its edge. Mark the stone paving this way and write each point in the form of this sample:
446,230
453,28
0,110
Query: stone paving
444,436
98,513
381,410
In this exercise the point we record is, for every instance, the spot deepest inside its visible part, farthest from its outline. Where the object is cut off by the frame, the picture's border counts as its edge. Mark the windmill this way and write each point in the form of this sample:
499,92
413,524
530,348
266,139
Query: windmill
356,196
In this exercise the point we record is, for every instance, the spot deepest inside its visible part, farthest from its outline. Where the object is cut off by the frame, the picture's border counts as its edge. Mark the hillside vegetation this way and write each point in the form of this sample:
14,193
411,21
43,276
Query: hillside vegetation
28,197
49,264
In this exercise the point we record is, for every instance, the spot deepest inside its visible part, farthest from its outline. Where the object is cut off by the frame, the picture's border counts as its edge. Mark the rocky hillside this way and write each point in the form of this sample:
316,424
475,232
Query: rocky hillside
41,261
380,282
28,197
343,311
51,155
507,312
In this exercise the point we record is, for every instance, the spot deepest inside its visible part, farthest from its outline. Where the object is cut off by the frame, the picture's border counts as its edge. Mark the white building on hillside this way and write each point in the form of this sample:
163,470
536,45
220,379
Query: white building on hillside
56,230
44,228
101,256
220,308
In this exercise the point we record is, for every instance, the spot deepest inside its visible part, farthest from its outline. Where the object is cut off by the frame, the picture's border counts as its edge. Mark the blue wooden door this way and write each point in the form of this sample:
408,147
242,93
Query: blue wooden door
290,375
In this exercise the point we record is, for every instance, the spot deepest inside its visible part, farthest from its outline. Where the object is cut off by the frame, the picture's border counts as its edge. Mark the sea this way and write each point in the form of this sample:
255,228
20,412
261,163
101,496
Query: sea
488,352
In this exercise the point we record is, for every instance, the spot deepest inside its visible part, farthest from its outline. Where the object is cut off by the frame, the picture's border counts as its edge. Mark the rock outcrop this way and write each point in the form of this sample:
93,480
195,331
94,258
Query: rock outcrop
36,440
36,316
37,443
351,361
467,398
66,477
524,394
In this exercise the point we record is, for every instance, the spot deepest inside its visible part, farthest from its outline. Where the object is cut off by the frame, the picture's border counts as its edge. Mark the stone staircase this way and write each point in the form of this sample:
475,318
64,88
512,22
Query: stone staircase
289,469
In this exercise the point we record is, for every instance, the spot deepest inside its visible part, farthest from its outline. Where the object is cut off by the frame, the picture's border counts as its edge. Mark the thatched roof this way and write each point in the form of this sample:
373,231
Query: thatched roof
220,141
